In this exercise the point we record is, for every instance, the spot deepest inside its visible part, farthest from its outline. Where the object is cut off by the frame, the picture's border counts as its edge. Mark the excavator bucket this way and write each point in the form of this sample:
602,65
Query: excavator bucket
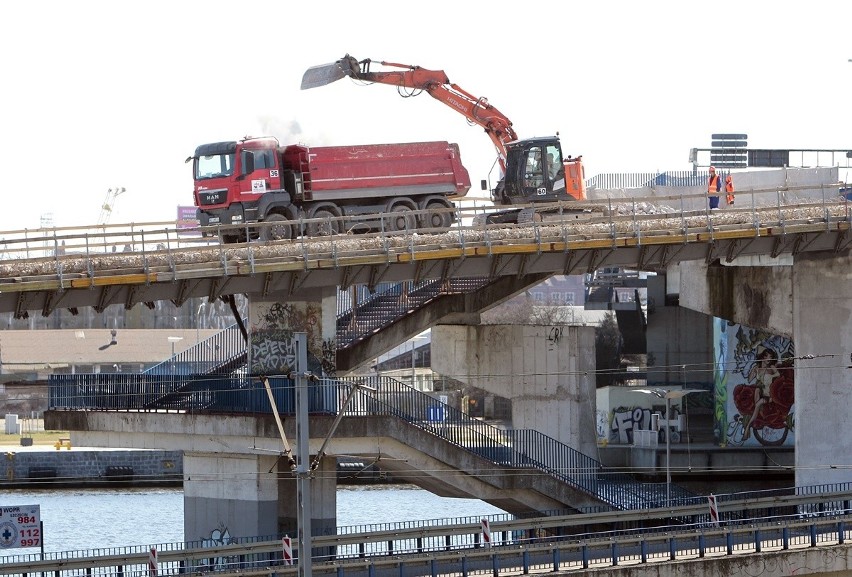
323,74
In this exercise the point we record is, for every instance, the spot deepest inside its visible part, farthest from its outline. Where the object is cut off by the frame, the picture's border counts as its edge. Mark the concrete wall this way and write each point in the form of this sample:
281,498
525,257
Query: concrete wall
229,493
822,321
694,197
546,371
77,464
271,326
755,296
622,411
679,341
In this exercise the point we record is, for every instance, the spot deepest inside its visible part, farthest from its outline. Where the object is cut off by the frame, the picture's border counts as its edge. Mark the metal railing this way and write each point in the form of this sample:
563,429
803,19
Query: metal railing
386,307
614,180
502,545
152,250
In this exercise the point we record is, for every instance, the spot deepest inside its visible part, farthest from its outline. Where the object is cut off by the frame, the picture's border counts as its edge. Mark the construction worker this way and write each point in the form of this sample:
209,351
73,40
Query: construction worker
714,187
729,189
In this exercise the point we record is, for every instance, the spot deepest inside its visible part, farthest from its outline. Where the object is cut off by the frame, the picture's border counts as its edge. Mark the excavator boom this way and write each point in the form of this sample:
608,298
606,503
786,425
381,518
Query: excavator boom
477,110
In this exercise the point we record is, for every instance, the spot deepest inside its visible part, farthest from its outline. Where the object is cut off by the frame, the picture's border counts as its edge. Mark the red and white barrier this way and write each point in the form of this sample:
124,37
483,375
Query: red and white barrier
714,510
486,533
153,566
287,546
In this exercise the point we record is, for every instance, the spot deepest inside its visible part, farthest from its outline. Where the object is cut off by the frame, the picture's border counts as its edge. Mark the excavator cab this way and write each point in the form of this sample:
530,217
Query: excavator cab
536,172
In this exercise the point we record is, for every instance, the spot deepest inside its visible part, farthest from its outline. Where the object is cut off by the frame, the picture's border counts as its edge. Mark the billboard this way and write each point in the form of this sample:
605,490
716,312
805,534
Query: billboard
187,221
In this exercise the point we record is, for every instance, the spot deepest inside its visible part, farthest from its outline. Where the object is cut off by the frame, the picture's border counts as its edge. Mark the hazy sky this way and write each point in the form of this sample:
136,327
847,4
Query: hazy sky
104,94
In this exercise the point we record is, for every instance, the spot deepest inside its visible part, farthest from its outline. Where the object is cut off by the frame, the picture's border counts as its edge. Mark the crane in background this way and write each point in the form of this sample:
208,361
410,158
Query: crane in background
109,202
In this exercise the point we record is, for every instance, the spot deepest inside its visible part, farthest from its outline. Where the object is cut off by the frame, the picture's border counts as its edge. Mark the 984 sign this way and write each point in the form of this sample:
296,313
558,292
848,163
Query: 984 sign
20,526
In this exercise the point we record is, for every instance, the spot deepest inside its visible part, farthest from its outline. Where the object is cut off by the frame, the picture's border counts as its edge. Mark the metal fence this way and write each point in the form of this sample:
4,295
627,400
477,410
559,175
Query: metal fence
618,180
487,545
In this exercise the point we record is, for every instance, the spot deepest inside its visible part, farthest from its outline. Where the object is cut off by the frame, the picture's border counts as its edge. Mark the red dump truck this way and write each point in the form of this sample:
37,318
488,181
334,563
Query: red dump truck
336,188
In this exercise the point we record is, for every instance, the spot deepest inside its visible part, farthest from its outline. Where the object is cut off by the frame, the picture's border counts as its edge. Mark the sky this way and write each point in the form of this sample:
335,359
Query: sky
100,94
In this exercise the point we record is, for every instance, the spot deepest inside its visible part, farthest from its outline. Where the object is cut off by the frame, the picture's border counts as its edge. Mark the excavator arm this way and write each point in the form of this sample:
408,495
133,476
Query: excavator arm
405,77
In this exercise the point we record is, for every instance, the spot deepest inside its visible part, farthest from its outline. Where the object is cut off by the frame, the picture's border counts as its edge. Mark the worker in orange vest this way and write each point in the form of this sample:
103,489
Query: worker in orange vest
714,187
729,189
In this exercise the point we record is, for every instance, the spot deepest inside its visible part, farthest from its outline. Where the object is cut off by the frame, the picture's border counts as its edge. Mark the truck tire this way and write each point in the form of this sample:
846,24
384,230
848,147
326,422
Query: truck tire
438,216
275,228
401,218
330,225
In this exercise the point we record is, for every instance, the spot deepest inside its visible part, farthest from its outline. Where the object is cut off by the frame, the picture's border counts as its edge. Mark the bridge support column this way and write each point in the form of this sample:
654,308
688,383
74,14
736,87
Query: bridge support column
548,372
323,499
822,327
272,321
809,298
229,495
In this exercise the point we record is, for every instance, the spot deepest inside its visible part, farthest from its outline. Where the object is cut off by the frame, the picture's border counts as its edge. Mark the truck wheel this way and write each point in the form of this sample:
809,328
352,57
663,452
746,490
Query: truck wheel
275,228
439,216
329,225
400,218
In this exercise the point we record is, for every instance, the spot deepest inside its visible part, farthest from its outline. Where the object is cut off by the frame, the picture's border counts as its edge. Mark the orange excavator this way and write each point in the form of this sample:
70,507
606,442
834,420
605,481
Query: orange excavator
533,171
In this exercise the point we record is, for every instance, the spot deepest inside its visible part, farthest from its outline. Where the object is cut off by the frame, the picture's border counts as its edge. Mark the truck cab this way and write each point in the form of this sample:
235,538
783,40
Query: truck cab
232,181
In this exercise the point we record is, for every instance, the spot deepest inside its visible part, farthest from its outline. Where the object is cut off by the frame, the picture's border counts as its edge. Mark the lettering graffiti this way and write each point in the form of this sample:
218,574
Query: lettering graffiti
625,420
554,335
278,322
272,352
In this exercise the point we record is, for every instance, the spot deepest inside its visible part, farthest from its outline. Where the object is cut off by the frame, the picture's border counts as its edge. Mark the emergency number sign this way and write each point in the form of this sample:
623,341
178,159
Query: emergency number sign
20,526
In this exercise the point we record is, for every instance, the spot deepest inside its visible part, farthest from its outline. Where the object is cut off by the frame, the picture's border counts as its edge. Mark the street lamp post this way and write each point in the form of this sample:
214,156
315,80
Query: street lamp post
667,422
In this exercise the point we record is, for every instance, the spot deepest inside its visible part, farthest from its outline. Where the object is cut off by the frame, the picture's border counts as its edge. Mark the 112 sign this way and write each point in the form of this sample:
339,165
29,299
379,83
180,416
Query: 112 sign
20,526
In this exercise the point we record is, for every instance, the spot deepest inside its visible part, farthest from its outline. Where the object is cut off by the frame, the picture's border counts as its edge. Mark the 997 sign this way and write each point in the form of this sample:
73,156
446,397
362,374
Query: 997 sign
20,526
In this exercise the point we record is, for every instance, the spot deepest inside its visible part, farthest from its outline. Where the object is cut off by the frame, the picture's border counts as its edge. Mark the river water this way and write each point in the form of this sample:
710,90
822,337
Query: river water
76,519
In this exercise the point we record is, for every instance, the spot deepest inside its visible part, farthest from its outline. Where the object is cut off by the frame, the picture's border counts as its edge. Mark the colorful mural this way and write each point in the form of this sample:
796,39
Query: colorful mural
272,347
754,386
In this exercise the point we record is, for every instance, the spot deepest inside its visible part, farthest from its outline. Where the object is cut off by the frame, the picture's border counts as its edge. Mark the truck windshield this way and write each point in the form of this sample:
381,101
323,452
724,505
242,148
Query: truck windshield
214,166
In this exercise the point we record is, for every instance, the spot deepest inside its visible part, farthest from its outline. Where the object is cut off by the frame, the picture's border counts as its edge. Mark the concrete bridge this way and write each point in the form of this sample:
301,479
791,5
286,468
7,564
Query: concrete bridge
305,275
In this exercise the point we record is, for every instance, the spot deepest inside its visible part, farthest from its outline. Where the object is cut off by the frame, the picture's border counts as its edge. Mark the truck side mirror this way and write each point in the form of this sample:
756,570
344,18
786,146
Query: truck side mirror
483,184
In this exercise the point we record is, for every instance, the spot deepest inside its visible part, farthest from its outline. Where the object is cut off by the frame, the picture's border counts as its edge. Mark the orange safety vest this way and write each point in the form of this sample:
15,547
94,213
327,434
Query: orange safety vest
713,184
729,189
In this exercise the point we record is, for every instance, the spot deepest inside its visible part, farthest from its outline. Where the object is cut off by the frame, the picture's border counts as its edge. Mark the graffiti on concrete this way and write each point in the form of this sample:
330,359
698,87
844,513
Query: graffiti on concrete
272,348
755,387
329,357
218,537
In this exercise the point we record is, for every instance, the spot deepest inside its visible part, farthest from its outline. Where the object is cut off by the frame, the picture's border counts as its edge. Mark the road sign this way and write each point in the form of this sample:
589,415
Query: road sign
20,526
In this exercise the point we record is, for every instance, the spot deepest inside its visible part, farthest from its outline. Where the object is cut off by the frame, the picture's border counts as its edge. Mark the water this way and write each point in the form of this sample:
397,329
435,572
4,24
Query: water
100,518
